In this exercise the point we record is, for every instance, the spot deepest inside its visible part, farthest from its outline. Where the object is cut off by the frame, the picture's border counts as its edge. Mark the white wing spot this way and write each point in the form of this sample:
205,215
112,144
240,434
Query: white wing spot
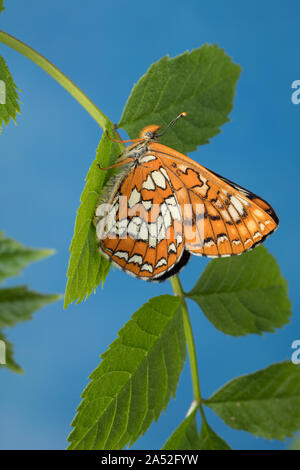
222,238
159,179
147,158
225,215
243,201
148,184
134,198
178,239
152,242
172,248
121,227
160,228
209,243
153,230
243,191
261,226
204,188
173,208
238,205
161,262
164,172
147,267
171,201
138,259
147,205
109,222
143,235
234,213
257,235
134,227
166,215
121,254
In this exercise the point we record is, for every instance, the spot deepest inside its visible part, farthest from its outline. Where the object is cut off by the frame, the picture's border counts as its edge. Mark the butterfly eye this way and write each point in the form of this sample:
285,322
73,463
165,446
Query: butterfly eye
148,135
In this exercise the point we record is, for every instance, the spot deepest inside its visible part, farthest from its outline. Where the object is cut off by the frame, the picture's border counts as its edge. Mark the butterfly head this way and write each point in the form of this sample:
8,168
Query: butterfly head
151,132
147,134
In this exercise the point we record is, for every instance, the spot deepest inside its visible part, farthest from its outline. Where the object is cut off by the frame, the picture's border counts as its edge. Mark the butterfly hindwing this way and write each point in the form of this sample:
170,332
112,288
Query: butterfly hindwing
143,229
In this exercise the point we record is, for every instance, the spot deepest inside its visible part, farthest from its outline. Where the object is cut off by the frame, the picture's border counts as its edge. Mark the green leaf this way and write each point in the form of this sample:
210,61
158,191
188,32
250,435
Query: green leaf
17,304
295,444
14,256
87,267
209,440
135,380
243,294
186,436
201,82
8,352
2,7
265,403
9,100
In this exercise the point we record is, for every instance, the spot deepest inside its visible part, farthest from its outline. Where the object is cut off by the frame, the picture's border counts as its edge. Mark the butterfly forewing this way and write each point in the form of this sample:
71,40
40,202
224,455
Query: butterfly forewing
232,219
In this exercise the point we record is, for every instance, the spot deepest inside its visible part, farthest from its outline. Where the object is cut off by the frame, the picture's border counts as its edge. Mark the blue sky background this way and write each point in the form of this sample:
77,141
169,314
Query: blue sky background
105,47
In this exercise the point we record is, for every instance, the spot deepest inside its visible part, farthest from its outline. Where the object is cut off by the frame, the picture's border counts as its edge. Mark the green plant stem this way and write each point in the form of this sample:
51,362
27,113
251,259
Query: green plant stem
55,73
177,288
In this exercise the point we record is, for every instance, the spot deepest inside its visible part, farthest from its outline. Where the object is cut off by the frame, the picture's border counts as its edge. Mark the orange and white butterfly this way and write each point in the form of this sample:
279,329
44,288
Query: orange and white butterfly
162,206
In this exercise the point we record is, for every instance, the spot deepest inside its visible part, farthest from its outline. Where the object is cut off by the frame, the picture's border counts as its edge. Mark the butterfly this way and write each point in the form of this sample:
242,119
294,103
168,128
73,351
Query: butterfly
162,206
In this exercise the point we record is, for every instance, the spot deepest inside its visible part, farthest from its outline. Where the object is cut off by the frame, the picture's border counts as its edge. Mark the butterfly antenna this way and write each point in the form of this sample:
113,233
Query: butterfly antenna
171,124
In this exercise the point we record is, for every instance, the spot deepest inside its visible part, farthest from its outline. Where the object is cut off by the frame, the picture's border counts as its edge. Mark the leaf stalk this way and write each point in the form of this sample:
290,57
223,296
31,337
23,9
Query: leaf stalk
178,290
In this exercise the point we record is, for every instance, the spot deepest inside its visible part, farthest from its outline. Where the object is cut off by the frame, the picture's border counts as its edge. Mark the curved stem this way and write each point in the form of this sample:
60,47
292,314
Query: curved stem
55,73
177,288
